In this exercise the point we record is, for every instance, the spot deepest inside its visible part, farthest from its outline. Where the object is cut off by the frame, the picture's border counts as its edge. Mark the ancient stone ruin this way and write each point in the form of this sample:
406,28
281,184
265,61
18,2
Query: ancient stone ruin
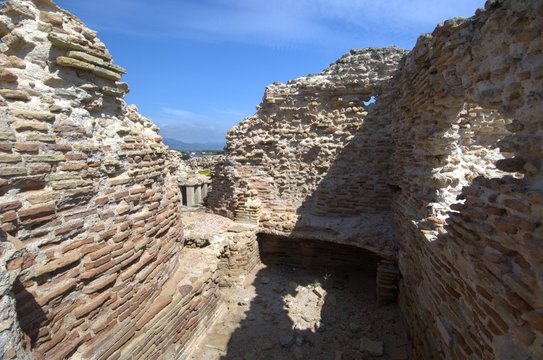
395,200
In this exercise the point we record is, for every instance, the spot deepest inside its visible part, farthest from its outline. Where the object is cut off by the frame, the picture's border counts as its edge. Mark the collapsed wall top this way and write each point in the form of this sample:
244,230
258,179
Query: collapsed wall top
88,192
289,166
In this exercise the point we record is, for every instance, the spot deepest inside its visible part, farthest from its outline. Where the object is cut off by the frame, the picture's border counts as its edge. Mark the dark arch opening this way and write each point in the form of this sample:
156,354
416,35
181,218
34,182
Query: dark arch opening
316,254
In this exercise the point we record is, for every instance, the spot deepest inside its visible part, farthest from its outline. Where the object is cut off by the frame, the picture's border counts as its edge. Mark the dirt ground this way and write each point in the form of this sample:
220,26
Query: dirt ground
283,312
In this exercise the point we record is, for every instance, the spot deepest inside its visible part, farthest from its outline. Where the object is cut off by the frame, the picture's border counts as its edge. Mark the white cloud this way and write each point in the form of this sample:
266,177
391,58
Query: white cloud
281,22
231,113
182,113
400,12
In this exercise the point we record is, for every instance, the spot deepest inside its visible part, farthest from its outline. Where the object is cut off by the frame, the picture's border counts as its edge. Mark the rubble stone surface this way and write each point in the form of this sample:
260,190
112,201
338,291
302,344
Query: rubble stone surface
306,132
441,174
428,164
89,194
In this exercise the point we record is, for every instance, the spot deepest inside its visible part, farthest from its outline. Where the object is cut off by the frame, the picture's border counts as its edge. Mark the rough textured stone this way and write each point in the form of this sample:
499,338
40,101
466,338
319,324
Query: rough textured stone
439,171
57,202
95,60
289,167
20,95
441,176
75,63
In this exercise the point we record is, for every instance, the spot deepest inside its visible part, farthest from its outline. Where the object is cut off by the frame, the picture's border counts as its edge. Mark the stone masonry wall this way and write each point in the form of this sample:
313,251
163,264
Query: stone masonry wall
10,331
468,166
442,173
312,129
451,153
86,188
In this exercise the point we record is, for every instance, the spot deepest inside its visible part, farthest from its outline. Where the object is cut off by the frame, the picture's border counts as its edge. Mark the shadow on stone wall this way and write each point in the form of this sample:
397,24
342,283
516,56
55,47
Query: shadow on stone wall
349,209
30,315
471,272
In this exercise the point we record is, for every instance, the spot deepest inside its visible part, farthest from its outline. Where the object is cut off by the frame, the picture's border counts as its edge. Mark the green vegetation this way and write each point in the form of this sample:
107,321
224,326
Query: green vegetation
206,172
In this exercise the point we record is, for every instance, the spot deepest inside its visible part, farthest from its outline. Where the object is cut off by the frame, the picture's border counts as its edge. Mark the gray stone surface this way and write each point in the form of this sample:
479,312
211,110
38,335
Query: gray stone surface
371,346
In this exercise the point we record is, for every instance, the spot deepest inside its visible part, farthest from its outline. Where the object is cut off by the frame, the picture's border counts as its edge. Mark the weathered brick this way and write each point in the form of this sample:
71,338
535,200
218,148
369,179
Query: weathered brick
44,298
100,283
51,219
74,225
144,260
6,147
91,305
10,158
51,18
36,169
76,245
98,228
107,234
45,158
7,136
70,343
46,138
93,272
8,216
120,195
41,197
35,115
8,76
75,156
97,263
36,211
517,205
55,339
63,176
63,261
73,166
123,209
106,74
121,237
137,189
9,205
120,180
22,125
505,226
91,148
80,215
68,128
70,184
17,95
60,147
13,171
27,147
106,250
94,246
74,63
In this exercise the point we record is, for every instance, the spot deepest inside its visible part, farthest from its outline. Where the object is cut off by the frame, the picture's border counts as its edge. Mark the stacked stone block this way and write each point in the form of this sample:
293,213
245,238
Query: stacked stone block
239,256
450,154
468,171
443,174
279,161
86,188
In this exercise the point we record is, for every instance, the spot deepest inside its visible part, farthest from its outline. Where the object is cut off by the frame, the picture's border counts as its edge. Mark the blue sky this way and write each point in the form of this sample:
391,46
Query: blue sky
198,67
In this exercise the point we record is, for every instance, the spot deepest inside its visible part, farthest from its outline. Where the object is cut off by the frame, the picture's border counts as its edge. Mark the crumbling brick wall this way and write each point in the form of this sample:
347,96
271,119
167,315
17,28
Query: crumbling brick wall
291,166
86,186
443,173
468,165
456,164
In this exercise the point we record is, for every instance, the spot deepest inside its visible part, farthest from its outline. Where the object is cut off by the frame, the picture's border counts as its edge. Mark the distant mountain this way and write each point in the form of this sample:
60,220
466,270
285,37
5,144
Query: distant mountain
181,145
